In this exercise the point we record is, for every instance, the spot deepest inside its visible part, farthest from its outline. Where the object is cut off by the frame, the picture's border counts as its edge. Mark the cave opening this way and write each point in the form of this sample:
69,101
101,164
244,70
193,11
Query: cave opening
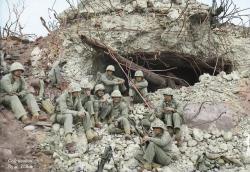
178,69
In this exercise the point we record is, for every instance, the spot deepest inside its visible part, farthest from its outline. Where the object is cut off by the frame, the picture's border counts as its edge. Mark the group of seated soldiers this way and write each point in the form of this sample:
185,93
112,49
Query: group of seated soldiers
106,105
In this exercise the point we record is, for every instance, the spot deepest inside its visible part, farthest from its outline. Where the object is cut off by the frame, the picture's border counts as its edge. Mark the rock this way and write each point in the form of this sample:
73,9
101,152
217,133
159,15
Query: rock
5,153
142,4
197,134
192,143
166,169
223,146
56,127
29,128
228,136
173,14
61,131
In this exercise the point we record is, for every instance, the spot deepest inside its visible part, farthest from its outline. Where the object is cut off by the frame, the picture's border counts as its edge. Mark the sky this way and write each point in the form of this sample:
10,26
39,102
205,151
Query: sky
34,9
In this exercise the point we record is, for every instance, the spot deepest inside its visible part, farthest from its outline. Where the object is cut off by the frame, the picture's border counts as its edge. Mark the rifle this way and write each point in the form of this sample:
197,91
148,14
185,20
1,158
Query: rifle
106,157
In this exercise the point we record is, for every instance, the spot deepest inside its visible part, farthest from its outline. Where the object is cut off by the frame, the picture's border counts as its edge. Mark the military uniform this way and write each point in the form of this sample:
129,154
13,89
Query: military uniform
68,108
102,106
167,111
171,119
111,83
119,116
54,74
158,149
141,86
14,92
88,103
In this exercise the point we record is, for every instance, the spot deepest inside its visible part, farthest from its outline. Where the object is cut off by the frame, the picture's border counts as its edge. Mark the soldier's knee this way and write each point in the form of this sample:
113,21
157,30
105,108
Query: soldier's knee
176,115
14,98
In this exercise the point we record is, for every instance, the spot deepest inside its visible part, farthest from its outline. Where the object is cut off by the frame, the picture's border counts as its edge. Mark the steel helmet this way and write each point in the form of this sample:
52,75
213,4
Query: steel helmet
116,93
87,86
157,123
16,66
74,87
139,73
99,87
110,67
167,92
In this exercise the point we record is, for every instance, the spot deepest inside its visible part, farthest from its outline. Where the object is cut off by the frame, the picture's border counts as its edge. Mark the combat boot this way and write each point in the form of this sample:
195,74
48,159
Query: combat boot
69,144
92,136
35,117
147,166
25,120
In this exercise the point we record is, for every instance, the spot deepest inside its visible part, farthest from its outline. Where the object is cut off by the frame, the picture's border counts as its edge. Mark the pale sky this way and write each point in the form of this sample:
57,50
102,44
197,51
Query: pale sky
34,9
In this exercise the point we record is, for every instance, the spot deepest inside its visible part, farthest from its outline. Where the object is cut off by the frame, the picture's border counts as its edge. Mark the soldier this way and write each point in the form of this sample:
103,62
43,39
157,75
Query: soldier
88,102
112,82
102,106
119,116
3,65
55,75
167,111
37,87
158,147
141,85
69,108
13,92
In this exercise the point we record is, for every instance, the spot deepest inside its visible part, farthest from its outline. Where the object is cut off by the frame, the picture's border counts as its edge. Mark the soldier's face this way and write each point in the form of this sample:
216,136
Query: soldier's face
167,98
116,99
157,131
75,94
138,78
109,72
18,73
87,91
100,93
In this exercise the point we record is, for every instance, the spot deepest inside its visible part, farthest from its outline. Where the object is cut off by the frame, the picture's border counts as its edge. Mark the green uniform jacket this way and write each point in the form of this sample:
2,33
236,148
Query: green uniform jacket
85,98
139,85
108,80
55,73
66,104
164,141
119,111
163,105
9,86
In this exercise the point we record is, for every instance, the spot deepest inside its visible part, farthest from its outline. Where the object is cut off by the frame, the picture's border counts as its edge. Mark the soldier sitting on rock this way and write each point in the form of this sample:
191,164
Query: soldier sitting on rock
88,102
54,74
102,106
167,111
111,82
141,86
14,92
37,87
70,109
158,147
119,116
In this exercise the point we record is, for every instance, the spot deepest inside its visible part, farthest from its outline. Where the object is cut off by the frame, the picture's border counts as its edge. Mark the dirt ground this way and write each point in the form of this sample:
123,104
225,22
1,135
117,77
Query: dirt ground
19,149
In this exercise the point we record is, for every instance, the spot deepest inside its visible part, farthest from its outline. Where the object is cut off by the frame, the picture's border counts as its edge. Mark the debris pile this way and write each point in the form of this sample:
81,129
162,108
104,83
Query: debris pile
203,149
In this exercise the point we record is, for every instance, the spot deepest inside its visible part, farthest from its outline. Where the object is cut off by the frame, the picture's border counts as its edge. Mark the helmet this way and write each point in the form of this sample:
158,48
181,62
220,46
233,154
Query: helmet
157,123
167,92
110,67
86,84
74,87
139,73
99,87
116,93
16,66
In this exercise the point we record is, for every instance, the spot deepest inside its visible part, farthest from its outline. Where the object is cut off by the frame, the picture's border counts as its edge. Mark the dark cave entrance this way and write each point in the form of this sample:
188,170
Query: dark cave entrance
178,69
